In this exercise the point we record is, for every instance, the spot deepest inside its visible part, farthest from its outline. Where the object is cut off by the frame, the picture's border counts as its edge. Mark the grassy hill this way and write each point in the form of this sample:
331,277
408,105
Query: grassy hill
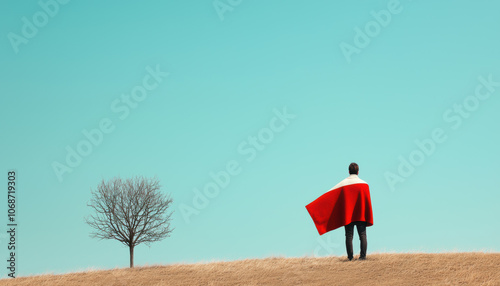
475,268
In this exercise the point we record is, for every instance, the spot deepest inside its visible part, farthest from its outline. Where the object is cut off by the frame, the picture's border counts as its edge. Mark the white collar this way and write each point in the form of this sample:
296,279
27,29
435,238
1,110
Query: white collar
352,179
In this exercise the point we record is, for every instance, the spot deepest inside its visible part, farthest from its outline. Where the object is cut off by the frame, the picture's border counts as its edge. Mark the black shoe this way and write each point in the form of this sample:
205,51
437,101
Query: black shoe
362,258
350,258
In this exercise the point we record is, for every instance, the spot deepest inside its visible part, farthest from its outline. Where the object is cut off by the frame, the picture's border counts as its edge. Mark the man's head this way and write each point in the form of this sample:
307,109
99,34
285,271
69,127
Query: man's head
353,169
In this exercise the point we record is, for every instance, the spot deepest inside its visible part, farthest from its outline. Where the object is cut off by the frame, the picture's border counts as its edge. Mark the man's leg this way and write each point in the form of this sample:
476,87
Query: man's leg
361,227
349,230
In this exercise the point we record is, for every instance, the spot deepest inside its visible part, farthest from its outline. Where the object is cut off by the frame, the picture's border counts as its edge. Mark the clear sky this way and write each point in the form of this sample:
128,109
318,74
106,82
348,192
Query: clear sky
288,94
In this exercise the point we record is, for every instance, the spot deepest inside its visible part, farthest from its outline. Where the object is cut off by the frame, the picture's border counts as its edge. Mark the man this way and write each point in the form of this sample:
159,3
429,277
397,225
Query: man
348,204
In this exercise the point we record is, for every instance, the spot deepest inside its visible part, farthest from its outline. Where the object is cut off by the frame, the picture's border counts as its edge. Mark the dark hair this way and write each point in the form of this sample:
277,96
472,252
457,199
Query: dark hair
353,169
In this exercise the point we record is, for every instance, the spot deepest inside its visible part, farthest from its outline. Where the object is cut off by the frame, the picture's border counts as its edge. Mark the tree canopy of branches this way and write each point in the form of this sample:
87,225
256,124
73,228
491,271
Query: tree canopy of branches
132,211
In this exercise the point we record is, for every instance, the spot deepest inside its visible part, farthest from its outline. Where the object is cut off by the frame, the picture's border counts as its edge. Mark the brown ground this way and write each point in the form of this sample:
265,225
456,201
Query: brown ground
475,268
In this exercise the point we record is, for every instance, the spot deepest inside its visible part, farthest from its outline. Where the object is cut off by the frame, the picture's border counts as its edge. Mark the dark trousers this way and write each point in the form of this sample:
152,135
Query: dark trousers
349,233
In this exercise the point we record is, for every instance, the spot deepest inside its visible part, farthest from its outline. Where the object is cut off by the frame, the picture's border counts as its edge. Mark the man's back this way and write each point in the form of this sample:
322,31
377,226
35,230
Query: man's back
348,201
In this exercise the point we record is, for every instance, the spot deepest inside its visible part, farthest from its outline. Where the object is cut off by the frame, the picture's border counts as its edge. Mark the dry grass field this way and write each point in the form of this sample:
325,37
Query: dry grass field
475,268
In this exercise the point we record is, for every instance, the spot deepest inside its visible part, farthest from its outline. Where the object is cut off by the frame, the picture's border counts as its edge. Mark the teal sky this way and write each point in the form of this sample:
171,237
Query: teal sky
229,74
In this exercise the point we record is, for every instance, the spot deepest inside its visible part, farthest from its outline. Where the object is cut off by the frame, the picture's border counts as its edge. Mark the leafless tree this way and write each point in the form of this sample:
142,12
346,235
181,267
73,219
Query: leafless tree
132,211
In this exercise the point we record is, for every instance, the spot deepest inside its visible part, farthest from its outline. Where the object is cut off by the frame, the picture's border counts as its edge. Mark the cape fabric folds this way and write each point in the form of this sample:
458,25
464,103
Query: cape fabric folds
348,201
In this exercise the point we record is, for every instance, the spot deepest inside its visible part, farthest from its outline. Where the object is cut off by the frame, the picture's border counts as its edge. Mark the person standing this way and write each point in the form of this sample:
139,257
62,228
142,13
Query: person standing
348,204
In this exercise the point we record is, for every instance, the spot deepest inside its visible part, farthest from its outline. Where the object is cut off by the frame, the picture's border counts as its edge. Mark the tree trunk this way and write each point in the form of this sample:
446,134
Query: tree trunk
131,256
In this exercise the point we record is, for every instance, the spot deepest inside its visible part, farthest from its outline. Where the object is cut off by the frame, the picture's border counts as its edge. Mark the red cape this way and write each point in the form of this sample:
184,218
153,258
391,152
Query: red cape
341,206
